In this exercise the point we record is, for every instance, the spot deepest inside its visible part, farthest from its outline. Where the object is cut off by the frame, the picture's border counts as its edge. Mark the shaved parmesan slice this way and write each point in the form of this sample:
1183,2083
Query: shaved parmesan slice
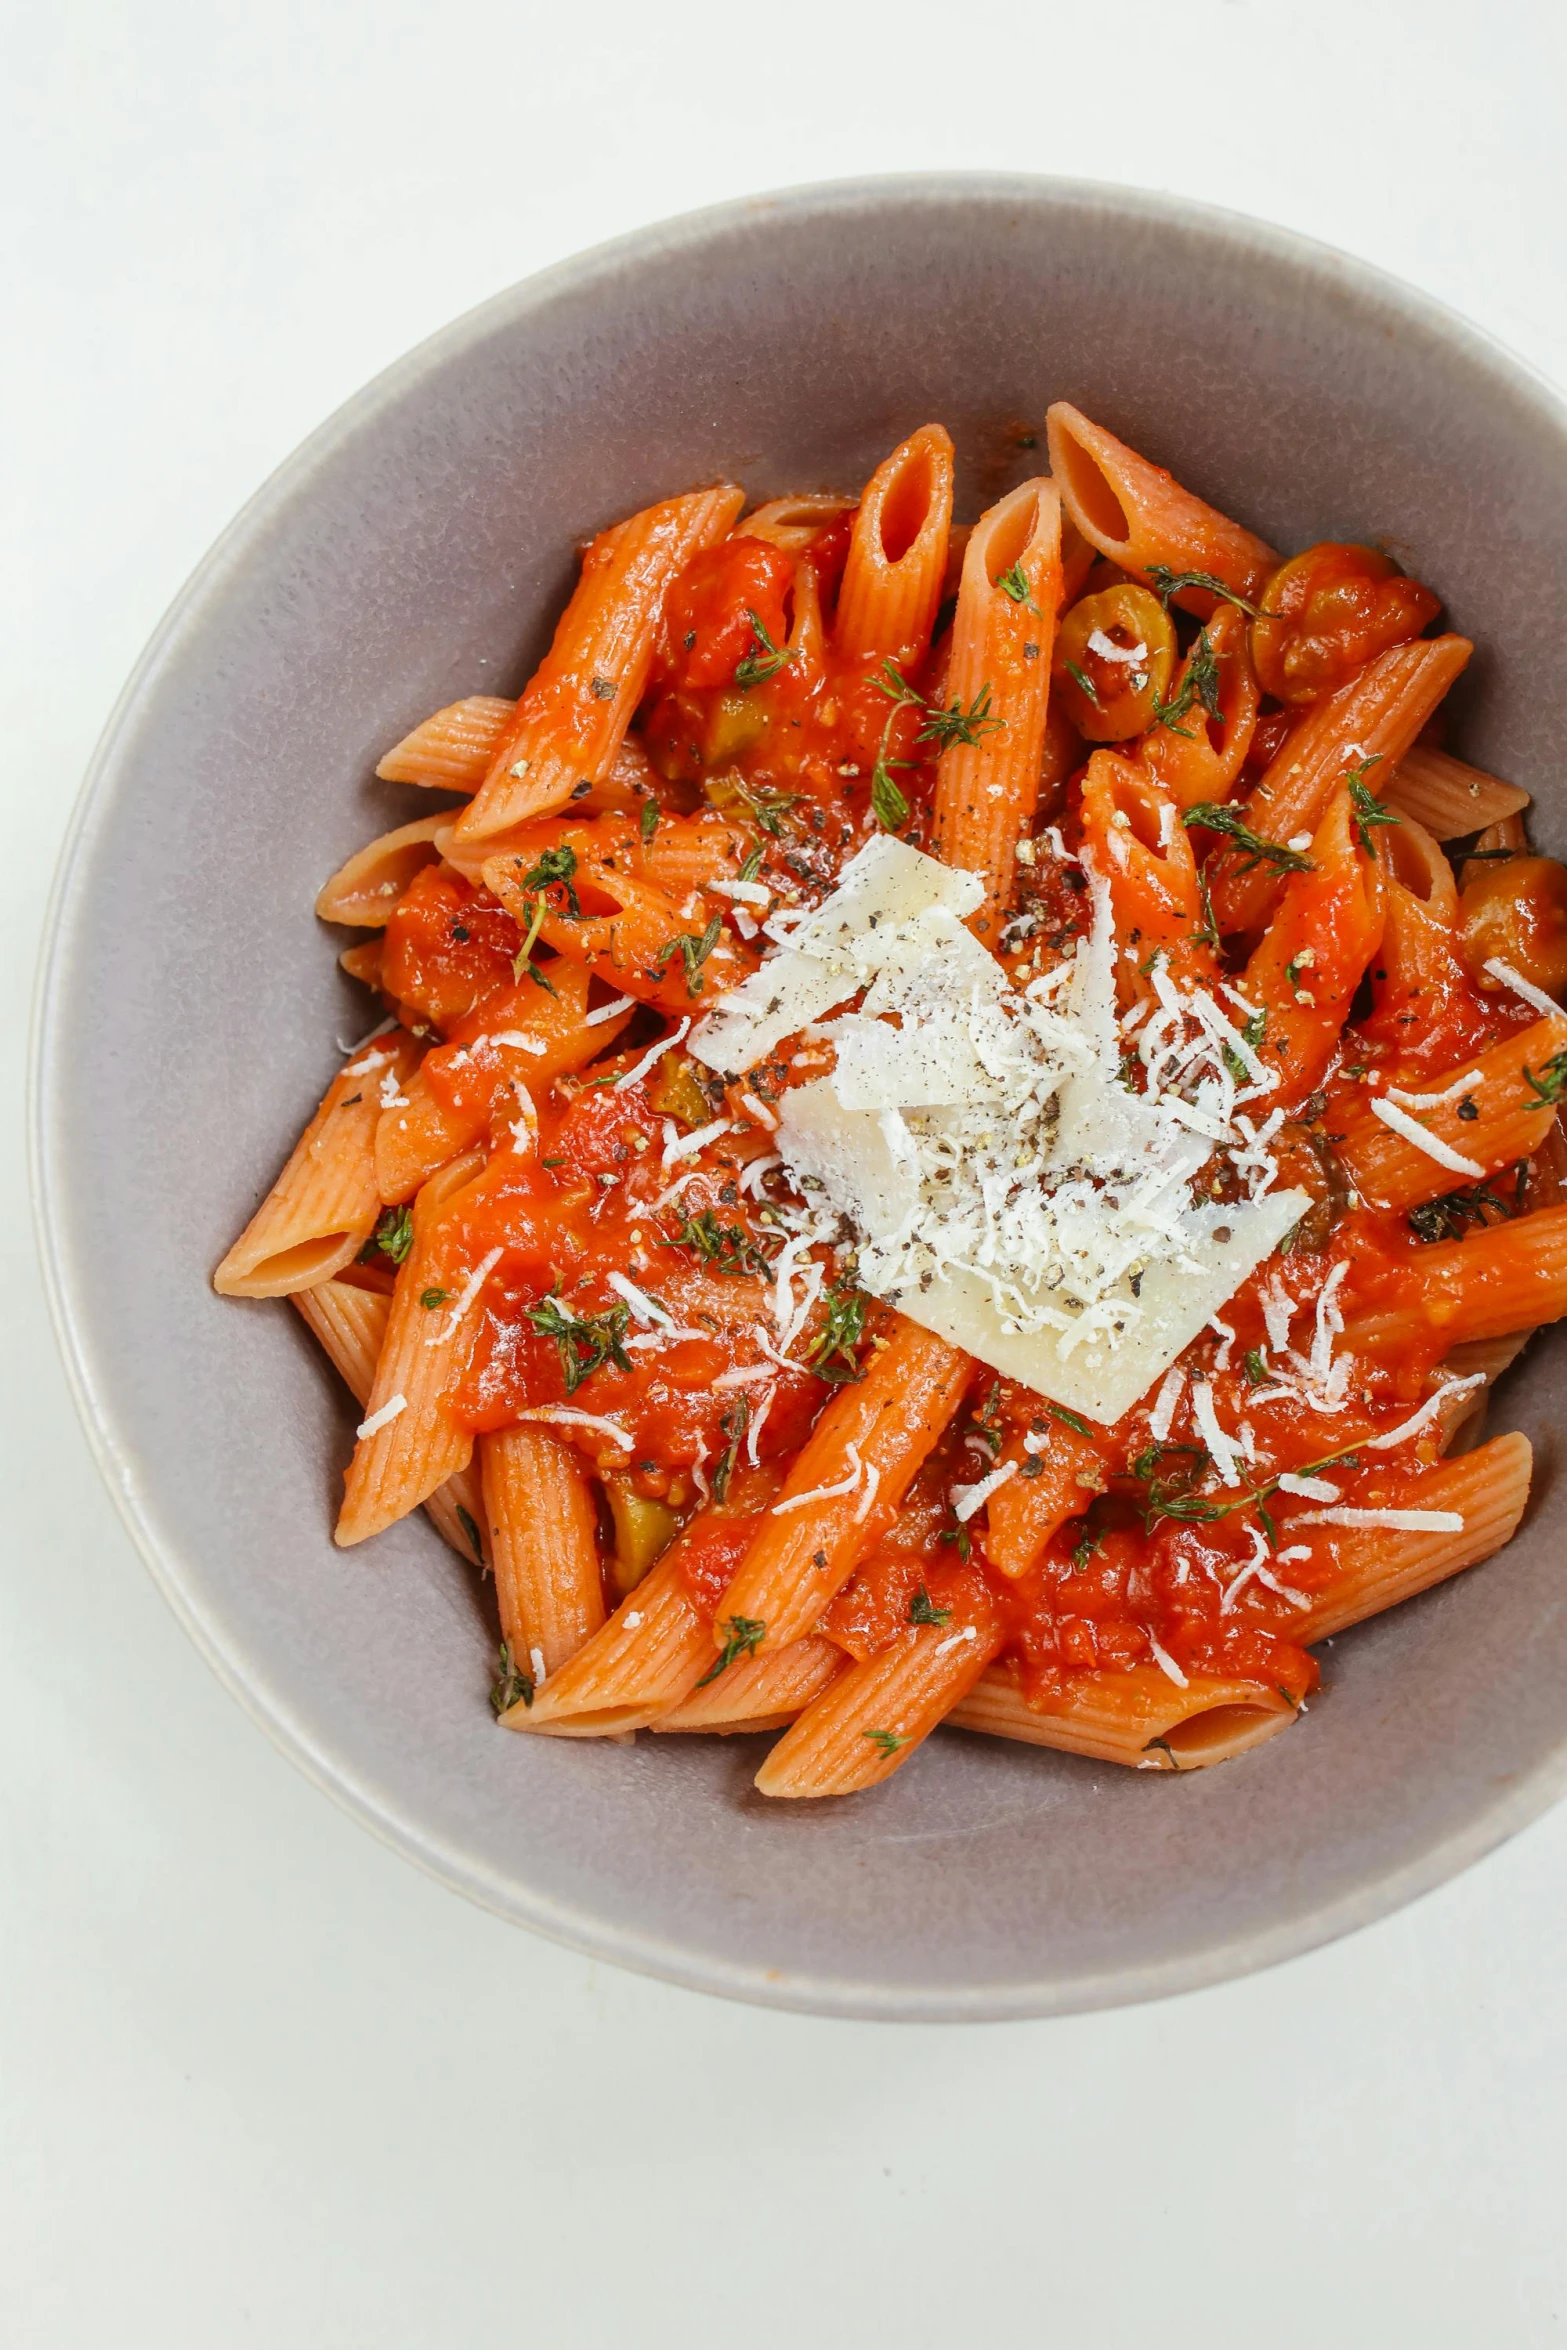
1103,1378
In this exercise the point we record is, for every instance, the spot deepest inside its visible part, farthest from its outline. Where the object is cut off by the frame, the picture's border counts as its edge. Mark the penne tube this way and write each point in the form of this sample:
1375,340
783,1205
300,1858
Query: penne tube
1129,825
651,1654
1506,1121
350,1324
364,891
872,1717
1195,756
323,1207
1448,796
414,1444
1375,718
1139,517
793,523
1140,1717
892,581
456,1511
1366,1570
1002,634
543,1522
452,749
1508,1278
1024,1513
809,1547
1333,916
759,1692
567,728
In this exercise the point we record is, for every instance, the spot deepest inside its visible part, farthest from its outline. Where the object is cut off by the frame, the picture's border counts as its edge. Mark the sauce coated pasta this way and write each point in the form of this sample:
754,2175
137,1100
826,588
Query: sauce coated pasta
961,1122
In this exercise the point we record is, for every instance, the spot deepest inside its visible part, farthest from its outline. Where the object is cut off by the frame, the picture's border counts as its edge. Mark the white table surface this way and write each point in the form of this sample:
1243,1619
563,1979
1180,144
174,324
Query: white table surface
259,2080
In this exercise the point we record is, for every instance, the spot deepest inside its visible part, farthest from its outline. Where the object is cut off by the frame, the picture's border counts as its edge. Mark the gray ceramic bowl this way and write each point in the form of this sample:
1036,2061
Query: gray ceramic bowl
417,549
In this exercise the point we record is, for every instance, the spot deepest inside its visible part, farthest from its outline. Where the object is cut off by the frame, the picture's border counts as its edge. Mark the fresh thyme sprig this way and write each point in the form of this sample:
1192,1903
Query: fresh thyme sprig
1167,583
1013,583
942,726
693,952
764,660
1200,684
584,1341
743,1637
922,1609
511,1684
834,1356
1216,817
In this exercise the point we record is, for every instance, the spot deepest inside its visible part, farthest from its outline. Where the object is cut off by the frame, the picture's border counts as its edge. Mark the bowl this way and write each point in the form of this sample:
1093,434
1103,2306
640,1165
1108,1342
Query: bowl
417,549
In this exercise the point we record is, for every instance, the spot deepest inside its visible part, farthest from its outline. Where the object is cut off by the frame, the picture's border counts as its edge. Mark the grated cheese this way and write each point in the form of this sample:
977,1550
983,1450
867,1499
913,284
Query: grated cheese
653,1055
1432,1144
622,1003
676,1147
470,1290
564,1415
1532,995
1405,1521
1167,1664
801,1501
966,1499
384,1417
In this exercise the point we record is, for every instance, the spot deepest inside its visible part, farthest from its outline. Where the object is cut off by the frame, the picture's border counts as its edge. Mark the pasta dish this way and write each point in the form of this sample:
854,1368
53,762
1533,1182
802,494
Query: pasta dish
961,1122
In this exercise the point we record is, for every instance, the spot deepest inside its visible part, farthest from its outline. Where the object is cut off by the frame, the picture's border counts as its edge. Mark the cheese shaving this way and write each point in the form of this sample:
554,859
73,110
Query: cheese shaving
384,1417
1432,1144
651,1058
1542,1003
563,1415
1404,1521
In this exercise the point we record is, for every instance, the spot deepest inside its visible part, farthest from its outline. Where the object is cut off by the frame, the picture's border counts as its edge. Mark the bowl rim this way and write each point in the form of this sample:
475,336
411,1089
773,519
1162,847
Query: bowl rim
1507,1810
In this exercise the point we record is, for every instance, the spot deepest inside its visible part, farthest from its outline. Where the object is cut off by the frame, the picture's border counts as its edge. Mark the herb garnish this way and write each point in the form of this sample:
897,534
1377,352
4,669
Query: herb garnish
944,727
693,952
723,1248
922,1610
511,1685
753,864
744,1637
764,660
470,1527
734,1425
431,1298
1551,1083
1012,583
393,1234
1200,684
1368,809
1084,684
1167,583
583,1341
885,1740
556,866
1218,818
1256,1363
1450,1217
647,822
833,1357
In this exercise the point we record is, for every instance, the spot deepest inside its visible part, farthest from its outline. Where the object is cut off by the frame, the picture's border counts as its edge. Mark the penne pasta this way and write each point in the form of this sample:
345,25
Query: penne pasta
1367,727
759,1692
1002,633
364,891
1139,1717
642,1663
1506,1278
869,1443
349,1323
892,581
1448,796
409,1443
451,750
567,729
544,1543
323,1207
868,1722
1505,1120
1368,1570
1139,517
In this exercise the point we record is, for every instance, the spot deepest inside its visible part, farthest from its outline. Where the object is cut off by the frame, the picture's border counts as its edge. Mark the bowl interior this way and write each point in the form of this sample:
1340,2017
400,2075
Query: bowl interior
418,549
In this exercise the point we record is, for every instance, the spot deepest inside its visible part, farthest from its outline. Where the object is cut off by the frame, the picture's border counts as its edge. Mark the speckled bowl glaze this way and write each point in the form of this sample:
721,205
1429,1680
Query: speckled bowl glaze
418,548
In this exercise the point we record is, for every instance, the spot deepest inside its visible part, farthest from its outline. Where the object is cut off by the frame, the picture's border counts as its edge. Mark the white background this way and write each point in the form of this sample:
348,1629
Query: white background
259,2081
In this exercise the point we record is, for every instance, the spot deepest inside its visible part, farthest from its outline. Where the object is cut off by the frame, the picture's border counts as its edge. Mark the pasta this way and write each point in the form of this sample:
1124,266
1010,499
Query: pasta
961,1125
